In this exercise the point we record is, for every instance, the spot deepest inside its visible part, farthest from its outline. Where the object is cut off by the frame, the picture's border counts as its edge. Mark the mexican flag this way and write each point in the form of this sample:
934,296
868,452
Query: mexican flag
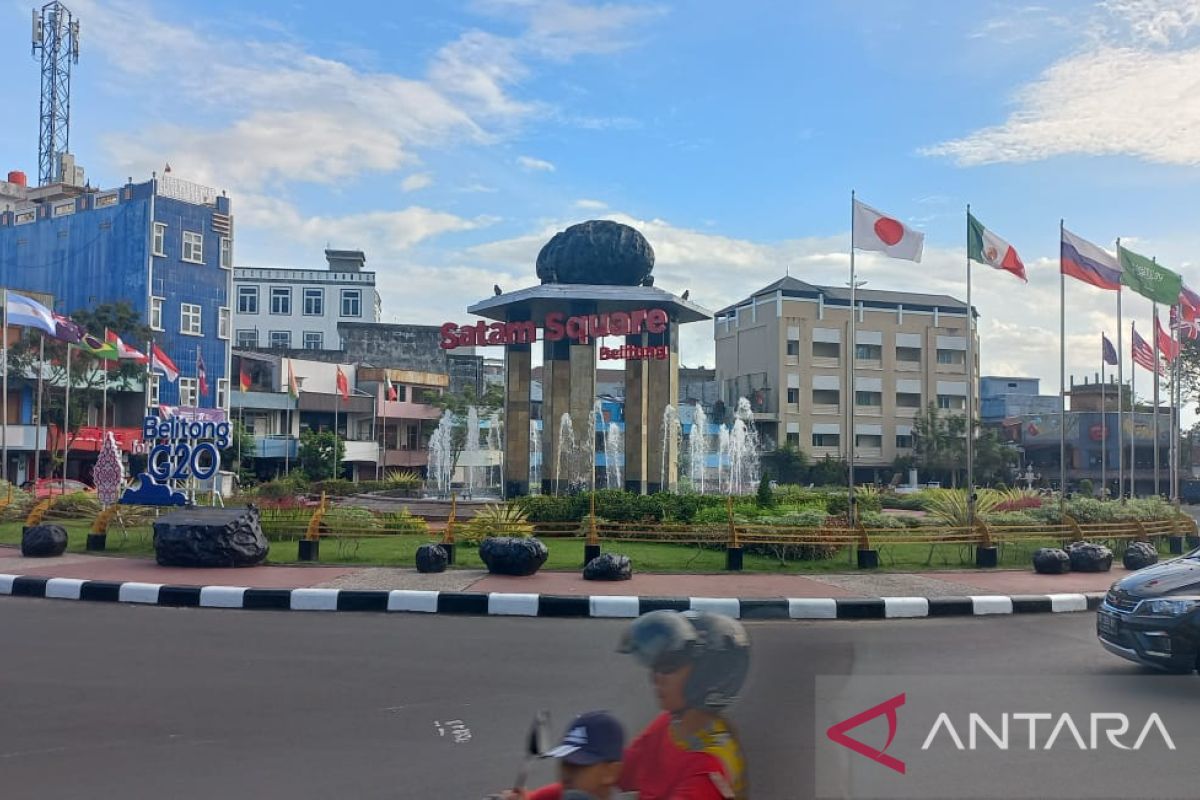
986,247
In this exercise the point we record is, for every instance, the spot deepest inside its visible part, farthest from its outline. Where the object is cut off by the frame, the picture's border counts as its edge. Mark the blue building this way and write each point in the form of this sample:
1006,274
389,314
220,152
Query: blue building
165,247
1002,398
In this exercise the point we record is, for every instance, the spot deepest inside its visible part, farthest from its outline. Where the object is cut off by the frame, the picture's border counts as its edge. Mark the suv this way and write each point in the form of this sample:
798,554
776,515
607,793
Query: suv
1152,617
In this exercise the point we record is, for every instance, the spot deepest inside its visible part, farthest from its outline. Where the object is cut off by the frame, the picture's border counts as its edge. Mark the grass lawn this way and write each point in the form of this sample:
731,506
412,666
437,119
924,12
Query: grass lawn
399,550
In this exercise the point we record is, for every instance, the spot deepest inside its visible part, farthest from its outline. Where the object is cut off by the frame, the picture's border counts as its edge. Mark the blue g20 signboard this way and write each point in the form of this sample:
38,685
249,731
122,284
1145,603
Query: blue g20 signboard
178,454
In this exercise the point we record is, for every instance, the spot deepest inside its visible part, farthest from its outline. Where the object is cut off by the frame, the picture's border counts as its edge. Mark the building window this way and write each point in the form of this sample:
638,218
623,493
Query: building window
904,441
223,318
351,302
793,397
793,349
827,350
223,393
410,437
868,440
868,352
160,239
908,400
281,300
226,253
154,390
193,247
189,319
247,299
950,357
401,392
247,338
188,392
868,399
826,440
281,339
909,354
314,302
793,441
313,340
423,396
156,321
951,402
826,397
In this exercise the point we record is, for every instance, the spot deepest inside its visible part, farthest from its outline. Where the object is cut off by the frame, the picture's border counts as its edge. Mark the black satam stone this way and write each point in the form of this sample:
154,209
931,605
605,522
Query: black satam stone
43,541
511,555
1089,557
432,558
609,567
598,252
1051,561
1139,555
210,537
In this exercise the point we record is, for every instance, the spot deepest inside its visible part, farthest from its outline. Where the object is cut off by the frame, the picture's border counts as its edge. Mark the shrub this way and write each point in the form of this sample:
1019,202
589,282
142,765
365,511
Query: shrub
875,519
21,503
350,520
766,497
75,504
913,501
495,520
404,522
1019,504
403,479
546,508
335,487
867,502
949,506
1013,518
1085,488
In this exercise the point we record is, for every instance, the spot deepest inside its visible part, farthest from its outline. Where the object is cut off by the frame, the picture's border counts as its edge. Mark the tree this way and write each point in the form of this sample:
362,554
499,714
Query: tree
939,443
790,464
88,374
316,453
994,459
240,453
491,401
828,471
766,497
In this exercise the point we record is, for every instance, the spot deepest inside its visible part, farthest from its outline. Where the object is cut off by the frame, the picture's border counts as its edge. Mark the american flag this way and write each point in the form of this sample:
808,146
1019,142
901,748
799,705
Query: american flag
1143,353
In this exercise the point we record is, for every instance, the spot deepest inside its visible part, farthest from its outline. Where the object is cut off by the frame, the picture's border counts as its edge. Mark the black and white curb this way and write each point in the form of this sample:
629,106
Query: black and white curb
539,605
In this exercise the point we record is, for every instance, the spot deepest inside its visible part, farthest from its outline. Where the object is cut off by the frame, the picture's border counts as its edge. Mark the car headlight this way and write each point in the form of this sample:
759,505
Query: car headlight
1168,607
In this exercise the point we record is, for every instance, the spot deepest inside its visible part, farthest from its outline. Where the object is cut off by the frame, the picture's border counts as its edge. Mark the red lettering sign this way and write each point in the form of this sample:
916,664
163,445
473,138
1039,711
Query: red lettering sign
558,326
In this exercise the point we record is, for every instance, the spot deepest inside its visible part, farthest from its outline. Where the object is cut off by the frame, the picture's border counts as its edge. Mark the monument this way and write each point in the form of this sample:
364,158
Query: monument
597,289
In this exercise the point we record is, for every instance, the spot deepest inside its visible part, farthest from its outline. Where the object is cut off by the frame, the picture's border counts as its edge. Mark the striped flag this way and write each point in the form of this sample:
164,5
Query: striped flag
125,351
29,313
201,374
1084,261
161,362
1143,353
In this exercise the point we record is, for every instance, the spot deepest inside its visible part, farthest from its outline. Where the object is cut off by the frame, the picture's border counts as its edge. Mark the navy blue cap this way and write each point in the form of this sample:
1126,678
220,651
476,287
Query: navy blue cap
593,738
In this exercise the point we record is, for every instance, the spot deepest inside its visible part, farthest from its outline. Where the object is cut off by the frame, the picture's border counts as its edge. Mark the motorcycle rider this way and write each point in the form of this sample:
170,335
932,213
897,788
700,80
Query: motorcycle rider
698,662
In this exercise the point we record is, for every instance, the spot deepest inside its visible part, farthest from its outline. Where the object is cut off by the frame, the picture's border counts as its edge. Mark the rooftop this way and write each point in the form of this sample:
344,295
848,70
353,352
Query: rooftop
537,301
840,295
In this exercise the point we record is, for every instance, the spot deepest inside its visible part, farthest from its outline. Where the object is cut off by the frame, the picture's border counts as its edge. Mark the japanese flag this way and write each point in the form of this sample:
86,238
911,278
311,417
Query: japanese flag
874,230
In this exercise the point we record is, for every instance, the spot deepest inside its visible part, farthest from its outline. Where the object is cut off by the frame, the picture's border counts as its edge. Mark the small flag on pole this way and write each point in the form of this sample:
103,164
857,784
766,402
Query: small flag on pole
67,330
1143,353
390,392
874,230
293,387
161,362
1188,326
985,247
1166,345
1149,279
201,374
1109,352
243,377
1082,260
125,351
343,385
29,313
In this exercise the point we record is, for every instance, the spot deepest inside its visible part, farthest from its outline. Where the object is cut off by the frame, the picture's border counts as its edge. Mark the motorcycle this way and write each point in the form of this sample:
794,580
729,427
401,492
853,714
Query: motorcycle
536,745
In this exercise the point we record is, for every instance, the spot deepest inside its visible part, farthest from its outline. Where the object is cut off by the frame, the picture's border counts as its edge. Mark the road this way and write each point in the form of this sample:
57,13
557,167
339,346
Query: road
127,701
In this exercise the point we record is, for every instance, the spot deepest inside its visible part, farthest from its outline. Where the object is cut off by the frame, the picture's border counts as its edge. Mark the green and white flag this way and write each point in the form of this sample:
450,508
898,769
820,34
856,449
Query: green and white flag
1149,279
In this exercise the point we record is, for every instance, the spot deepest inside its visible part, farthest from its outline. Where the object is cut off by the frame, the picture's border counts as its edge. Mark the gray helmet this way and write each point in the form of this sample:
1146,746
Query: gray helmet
716,646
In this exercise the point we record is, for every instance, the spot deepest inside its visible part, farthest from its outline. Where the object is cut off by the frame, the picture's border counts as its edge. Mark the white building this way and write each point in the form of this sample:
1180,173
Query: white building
301,308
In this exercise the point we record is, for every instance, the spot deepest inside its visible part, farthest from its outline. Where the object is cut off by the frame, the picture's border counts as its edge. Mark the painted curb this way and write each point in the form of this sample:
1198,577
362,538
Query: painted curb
542,605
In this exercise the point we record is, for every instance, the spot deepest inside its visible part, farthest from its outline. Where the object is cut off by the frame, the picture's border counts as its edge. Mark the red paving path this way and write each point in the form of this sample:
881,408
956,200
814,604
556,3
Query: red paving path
146,571
647,584
1014,581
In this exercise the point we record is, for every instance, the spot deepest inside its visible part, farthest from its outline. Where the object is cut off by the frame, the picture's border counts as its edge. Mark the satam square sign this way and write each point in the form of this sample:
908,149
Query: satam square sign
557,326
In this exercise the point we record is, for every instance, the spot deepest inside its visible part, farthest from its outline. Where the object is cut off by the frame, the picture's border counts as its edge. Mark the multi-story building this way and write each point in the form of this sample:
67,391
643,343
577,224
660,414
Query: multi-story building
1002,398
164,247
784,349
281,308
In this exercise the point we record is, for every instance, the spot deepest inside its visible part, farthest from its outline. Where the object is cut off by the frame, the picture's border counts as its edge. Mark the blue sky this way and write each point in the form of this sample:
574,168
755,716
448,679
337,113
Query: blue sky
450,140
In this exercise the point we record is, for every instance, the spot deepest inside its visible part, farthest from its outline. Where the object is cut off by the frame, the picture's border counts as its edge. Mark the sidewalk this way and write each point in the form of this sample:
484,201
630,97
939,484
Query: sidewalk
959,583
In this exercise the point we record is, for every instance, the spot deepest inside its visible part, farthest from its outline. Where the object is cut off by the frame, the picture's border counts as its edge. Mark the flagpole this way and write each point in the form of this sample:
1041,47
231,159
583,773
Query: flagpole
1133,426
1062,380
1176,341
970,386
1103,426
38,439
4,425
67,423
104,396
1157,367
1120,398
850,394
336,399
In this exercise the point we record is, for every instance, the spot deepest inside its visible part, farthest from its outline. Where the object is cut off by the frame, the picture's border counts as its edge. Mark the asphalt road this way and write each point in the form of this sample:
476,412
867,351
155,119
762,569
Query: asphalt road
126,701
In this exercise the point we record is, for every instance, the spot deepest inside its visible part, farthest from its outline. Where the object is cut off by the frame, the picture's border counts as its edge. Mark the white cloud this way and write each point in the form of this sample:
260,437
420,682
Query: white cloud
419,180
1129,92
591,205
535,164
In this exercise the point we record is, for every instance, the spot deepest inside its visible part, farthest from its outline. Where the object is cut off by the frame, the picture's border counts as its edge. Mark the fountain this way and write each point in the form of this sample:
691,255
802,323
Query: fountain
671,431
471,447
598,429
566,444
698,449
740,450
495,444
614,456
441,453
535,456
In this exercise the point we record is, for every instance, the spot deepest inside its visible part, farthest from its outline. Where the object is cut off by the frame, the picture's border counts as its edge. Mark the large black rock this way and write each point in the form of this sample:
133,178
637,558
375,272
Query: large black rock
511,555
43,541
1089,557
608,567
597,252
1139,555
210,537
432,558
1051,561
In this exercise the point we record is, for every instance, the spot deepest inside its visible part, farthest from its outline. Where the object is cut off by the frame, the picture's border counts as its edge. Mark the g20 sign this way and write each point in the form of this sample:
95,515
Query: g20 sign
179,453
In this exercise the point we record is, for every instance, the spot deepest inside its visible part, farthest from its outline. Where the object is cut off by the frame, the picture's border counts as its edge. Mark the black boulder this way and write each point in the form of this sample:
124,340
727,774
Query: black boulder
1139,555
432,558
43,541
608,567
510,555
1051,561
210,537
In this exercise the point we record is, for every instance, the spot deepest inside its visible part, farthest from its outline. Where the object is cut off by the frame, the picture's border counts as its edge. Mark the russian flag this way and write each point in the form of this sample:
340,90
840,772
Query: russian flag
1086,262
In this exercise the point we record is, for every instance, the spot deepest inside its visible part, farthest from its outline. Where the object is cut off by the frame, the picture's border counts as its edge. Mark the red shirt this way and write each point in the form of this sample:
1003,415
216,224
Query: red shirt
661,767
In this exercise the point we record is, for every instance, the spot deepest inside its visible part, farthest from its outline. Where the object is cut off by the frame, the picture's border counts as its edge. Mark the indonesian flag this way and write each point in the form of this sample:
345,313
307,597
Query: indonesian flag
125,351
389,390
874,230
1166,345
161,362
986,247
343,385
243,377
